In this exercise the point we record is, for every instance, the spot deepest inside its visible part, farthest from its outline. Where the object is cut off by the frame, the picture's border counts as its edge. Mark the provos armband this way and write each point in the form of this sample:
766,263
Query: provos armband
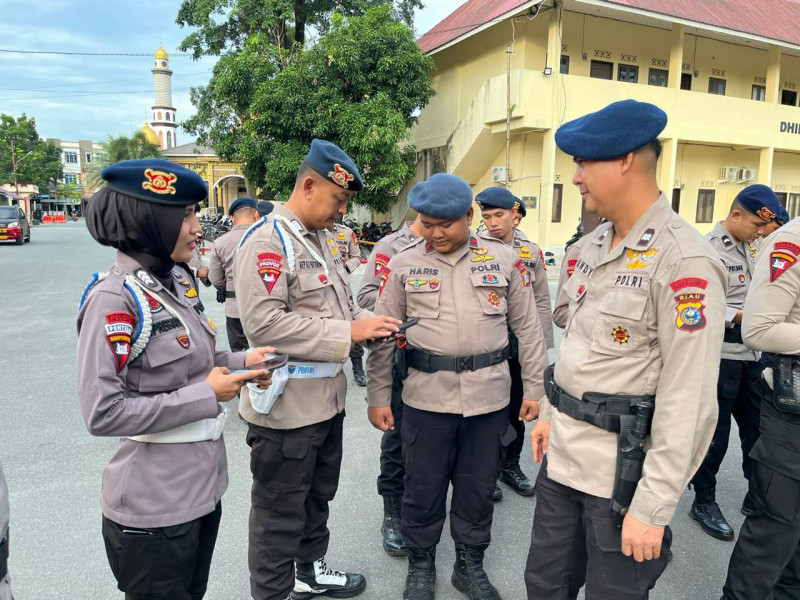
783,256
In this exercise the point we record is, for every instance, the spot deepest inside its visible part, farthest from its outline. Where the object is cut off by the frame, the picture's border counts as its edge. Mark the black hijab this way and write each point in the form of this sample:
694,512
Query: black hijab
145,231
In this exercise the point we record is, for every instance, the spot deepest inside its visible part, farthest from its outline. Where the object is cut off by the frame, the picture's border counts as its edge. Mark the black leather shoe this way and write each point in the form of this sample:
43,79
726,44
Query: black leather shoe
421,578
748,505
497,494
710,518
512,476
358,372
469,578
391,526
317,579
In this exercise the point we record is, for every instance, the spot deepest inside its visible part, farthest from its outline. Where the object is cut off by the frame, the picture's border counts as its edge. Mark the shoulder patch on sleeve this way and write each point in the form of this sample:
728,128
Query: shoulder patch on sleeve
690,308
780,260
384,276
685,282
119,329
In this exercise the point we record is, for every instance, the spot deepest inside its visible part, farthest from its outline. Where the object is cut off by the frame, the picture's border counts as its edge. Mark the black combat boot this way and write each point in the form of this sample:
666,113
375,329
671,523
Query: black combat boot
512,475
711,520
358,372
497,494
468,575
391,527
421,578
317,579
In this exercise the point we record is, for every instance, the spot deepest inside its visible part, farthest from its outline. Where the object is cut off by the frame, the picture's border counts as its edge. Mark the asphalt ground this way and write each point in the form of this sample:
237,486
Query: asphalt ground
54,466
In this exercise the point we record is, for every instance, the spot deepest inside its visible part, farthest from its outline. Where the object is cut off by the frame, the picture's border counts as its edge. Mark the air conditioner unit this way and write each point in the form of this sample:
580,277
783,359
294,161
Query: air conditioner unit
747,174
728,174
498,174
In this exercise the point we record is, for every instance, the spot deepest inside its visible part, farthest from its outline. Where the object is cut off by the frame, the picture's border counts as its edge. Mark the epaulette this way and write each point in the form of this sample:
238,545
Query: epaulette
252,230
412,244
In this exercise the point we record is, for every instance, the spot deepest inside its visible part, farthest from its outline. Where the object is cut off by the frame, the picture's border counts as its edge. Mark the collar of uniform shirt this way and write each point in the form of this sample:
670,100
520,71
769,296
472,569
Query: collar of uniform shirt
645,230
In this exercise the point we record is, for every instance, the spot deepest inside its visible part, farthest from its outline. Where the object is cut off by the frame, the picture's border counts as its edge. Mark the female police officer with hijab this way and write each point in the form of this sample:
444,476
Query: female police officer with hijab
149,372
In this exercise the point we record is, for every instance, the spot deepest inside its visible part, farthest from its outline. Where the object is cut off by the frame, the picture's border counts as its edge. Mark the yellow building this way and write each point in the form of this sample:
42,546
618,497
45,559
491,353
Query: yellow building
728,81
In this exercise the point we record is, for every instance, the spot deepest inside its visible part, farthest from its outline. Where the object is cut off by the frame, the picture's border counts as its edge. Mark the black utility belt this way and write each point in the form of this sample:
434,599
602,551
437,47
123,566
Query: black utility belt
602,410
733,334
431,363
230,294
513,345
786,383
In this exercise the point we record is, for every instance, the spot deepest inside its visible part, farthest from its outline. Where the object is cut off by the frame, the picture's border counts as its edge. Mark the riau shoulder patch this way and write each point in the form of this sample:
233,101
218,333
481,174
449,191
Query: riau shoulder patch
691,312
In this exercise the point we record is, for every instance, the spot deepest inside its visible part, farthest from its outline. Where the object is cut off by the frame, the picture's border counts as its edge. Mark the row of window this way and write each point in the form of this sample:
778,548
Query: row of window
157,116
71,158
630,74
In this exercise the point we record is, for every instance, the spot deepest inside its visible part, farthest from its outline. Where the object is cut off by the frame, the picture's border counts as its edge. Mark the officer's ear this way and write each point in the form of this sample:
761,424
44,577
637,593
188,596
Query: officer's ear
469,215
307,184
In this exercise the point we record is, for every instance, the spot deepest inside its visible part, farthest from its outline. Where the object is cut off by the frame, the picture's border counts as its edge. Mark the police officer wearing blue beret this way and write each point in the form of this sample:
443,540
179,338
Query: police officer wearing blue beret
150,373
739,389
632,404
456,379
243,212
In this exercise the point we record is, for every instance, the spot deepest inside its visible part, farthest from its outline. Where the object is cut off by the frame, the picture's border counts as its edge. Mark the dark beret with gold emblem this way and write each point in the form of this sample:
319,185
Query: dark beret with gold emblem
156,180
333,164
759,200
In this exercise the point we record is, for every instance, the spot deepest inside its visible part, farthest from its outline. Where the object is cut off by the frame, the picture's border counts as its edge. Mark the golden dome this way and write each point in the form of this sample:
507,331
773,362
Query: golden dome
151,135
160,53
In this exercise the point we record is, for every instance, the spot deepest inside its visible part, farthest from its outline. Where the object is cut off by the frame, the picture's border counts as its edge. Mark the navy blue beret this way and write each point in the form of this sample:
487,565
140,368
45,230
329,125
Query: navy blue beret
617,129
783,216
442,196
241,203
760,200
156,180
332,163
521,210
264,208
497,197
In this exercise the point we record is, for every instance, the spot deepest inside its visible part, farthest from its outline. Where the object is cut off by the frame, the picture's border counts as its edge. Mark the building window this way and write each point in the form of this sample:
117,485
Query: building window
158,115
69,178
169,139
166,116
71,158
686,81
705,206
88,158
601,70
629,73
658,77
759,92
558,192
793,206
789,97
564,67
716,86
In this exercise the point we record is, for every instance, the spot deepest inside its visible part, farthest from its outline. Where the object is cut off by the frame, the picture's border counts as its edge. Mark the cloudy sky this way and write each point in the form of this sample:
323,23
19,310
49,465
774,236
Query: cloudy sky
89,97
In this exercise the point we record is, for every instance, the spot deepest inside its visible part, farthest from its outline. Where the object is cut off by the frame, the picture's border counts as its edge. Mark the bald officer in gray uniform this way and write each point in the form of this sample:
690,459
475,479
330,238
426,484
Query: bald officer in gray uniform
739,388
631,406
5,579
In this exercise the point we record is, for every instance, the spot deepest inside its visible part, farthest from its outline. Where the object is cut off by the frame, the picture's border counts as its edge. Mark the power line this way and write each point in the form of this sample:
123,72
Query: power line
60,85
63,53
76,94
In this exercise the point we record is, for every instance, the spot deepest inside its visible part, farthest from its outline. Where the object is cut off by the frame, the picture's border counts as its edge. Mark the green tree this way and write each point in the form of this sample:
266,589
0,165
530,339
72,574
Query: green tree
359,86
37,161
116,149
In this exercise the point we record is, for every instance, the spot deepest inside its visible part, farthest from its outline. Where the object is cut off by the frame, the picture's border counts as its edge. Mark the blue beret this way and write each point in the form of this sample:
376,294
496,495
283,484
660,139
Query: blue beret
619,128
241,203
156,180
759,200
497,197
264,208
443,196
783,216
332,163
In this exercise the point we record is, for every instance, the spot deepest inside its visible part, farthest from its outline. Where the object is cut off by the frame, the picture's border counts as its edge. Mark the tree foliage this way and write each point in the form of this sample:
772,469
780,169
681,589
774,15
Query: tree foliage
37,161
359,86
116,149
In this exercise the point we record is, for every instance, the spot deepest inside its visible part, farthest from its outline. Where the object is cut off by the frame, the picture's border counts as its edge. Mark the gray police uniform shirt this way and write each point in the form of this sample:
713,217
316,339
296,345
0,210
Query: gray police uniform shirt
5,582
383,251
220,268
739,259
146,484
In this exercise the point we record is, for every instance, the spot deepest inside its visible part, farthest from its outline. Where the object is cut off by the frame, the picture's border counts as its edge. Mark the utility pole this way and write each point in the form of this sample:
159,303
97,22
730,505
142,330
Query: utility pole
15,163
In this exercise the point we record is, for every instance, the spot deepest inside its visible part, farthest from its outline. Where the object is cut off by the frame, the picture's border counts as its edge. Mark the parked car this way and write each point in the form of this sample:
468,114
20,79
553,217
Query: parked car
14,225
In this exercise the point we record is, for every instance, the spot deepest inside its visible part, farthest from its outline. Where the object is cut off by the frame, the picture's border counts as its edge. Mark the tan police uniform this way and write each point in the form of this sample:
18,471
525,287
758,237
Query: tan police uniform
293,293
480,285
766,560
382,252
561,308
349,250
220,274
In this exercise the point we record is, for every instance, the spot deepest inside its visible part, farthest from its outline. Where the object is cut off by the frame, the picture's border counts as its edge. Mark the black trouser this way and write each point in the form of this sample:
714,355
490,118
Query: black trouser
169,563
766,560
575,541
390,479
514,406
356,350
295,476
440,448
739,392
236,338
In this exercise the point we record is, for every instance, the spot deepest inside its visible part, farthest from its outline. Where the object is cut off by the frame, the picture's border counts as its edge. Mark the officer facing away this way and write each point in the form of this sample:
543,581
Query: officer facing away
455,418
637,368
243,213
739,387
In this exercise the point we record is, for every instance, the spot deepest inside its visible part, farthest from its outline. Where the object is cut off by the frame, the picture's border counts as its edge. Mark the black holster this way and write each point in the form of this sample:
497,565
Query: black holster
4,557
221,295
786,383
513,346
399,365
733,334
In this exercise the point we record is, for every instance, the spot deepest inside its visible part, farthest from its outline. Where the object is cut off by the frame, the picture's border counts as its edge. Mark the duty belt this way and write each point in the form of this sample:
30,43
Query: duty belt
628,416
733,334
4,557
230,294
431,363
513,345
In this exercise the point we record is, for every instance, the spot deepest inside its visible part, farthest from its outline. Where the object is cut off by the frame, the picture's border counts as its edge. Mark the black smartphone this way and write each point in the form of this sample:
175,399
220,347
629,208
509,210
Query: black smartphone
403,326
